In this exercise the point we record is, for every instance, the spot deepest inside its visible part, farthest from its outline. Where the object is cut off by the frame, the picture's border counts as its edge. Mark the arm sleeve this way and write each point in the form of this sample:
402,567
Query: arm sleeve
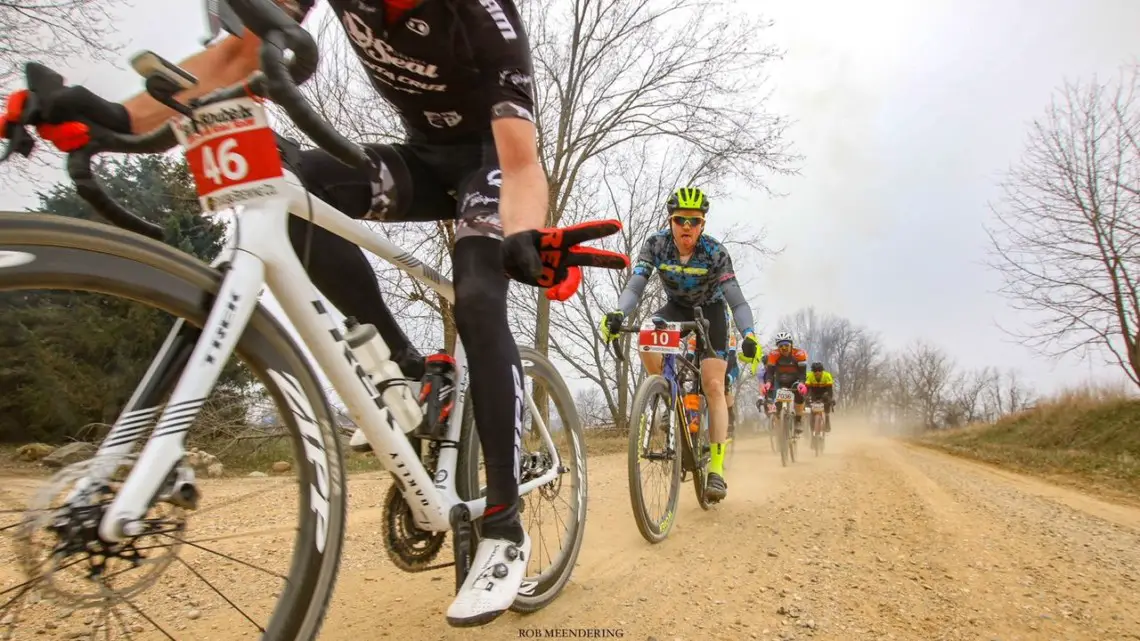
504,58
741,312
642,270
627,302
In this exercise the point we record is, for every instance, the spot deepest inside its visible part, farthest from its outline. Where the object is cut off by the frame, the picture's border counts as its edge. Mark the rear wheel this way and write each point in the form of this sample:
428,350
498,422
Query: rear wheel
654,420
56,253
538,508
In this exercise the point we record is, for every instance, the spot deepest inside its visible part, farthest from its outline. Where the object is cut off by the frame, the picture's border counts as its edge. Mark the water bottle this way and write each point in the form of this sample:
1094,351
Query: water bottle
375,358
437,395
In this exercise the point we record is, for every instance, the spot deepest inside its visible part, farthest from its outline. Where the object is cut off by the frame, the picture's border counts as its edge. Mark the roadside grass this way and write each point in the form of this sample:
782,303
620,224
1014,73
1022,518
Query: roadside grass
1089,437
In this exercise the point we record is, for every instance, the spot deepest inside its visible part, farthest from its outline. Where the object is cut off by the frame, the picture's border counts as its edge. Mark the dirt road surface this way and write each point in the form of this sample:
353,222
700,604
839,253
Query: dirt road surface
873,540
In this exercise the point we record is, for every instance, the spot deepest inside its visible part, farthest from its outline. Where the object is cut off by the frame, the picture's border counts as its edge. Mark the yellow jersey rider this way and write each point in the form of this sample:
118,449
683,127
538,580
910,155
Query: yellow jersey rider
695,271
821,387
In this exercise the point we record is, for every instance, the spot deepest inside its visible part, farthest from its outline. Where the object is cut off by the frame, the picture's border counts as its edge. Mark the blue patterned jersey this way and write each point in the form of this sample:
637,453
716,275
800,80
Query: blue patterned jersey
697,282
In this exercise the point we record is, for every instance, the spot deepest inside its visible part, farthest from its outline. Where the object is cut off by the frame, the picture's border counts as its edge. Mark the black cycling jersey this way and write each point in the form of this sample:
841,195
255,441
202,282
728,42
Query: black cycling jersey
449,67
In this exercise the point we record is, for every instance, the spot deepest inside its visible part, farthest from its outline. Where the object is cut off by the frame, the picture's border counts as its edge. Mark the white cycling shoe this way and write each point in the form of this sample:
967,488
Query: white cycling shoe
492,584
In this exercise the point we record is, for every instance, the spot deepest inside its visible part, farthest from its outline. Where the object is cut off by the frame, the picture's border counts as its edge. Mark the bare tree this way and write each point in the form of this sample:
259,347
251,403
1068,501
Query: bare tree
591,407
53,32
966,402
610,73
927,372
1067,236
851,353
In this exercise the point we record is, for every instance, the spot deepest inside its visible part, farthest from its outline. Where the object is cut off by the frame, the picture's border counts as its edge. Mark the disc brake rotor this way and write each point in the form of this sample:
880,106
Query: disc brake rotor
59,548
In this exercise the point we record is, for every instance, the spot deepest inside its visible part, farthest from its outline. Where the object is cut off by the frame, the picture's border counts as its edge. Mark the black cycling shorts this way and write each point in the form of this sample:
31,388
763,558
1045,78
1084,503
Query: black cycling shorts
715,313
419,182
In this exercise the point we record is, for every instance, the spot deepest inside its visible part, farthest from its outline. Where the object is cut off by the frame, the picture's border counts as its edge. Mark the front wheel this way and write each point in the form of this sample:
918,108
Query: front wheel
653,420
77,267
549,413
782,433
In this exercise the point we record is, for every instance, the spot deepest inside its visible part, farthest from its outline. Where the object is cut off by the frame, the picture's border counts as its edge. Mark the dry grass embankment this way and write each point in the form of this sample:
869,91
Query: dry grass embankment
1087,437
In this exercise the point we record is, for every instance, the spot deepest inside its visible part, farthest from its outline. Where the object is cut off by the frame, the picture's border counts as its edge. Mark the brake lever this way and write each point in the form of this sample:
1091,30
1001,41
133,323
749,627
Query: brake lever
19,141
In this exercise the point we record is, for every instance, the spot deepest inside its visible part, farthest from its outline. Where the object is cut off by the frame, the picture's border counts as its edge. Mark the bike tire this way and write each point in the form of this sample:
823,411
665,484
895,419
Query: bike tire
699,445
79,255
651,388
538,591
782,440
792,440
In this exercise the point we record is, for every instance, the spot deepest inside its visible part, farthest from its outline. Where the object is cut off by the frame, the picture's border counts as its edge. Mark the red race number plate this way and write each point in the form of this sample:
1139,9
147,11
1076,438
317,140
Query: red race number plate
662,341
232,155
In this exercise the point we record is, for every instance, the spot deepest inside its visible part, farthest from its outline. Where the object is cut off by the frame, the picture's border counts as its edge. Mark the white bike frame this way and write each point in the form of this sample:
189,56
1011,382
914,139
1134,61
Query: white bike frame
263,255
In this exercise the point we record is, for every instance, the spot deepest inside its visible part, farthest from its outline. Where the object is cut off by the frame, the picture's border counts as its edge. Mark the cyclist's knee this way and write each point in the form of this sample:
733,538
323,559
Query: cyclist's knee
715,387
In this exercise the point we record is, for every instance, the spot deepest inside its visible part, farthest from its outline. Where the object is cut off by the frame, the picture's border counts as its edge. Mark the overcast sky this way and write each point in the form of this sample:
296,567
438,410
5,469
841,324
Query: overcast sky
905,112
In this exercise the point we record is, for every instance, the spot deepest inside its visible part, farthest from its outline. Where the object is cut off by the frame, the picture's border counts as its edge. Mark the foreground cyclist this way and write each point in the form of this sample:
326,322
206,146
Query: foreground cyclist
459,75
786,368
821,387
695,271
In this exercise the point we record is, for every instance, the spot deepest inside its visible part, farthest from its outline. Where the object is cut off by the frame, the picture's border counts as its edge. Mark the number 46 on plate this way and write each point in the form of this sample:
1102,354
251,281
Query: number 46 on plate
232,153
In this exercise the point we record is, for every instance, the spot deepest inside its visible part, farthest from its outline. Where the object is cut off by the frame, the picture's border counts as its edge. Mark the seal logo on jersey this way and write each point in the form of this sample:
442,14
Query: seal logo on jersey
441,119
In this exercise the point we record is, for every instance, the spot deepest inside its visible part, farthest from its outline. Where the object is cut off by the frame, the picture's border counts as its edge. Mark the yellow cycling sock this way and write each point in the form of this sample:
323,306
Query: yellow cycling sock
716,465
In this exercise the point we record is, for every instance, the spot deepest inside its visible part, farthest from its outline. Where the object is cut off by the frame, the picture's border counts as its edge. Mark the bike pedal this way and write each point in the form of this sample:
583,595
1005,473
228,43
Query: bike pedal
463,534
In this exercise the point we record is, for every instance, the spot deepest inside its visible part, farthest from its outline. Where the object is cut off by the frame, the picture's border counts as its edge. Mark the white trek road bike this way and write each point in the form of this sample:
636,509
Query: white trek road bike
235,160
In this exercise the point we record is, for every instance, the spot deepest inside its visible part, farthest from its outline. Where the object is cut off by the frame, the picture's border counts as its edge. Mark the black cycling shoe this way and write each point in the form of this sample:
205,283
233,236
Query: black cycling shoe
411,363
715,489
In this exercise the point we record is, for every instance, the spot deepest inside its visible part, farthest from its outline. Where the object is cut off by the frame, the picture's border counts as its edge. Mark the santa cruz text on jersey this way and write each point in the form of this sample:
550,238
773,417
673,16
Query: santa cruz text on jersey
423,63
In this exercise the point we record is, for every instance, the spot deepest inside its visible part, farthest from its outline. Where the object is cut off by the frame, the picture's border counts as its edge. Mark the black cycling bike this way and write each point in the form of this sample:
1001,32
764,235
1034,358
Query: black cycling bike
682,419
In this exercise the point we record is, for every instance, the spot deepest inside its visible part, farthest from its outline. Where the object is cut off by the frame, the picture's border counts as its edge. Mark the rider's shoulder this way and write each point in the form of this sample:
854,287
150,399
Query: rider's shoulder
800,354
711,244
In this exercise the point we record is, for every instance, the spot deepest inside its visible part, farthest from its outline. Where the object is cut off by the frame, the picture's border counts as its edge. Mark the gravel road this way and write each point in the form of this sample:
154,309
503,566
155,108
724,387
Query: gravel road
873,540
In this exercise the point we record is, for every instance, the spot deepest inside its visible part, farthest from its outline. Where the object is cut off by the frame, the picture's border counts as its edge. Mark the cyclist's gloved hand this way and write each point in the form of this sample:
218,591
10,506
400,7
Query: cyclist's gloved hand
801,388
750,350
551,258
62,115
765,388
611,323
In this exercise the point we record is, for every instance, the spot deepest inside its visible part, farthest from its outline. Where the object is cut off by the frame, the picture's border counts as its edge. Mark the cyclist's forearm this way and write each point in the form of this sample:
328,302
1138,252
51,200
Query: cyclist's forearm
226,63
741,312
627,302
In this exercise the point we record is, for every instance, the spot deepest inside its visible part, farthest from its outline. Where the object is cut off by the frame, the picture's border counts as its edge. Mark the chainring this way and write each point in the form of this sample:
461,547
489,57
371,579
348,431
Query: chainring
410,548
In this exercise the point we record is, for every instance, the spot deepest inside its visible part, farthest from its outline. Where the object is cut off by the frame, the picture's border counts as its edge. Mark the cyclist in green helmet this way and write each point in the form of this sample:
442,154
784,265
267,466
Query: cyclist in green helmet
695,271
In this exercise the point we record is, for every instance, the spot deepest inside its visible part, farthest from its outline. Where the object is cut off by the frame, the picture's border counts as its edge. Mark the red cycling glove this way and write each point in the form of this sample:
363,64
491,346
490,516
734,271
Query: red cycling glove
551,257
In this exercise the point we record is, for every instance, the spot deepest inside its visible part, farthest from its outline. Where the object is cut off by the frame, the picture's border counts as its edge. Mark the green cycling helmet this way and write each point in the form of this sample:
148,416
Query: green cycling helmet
688,198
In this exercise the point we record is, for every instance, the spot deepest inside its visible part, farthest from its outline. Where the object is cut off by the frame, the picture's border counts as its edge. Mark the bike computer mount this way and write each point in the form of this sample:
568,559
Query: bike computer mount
164,79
